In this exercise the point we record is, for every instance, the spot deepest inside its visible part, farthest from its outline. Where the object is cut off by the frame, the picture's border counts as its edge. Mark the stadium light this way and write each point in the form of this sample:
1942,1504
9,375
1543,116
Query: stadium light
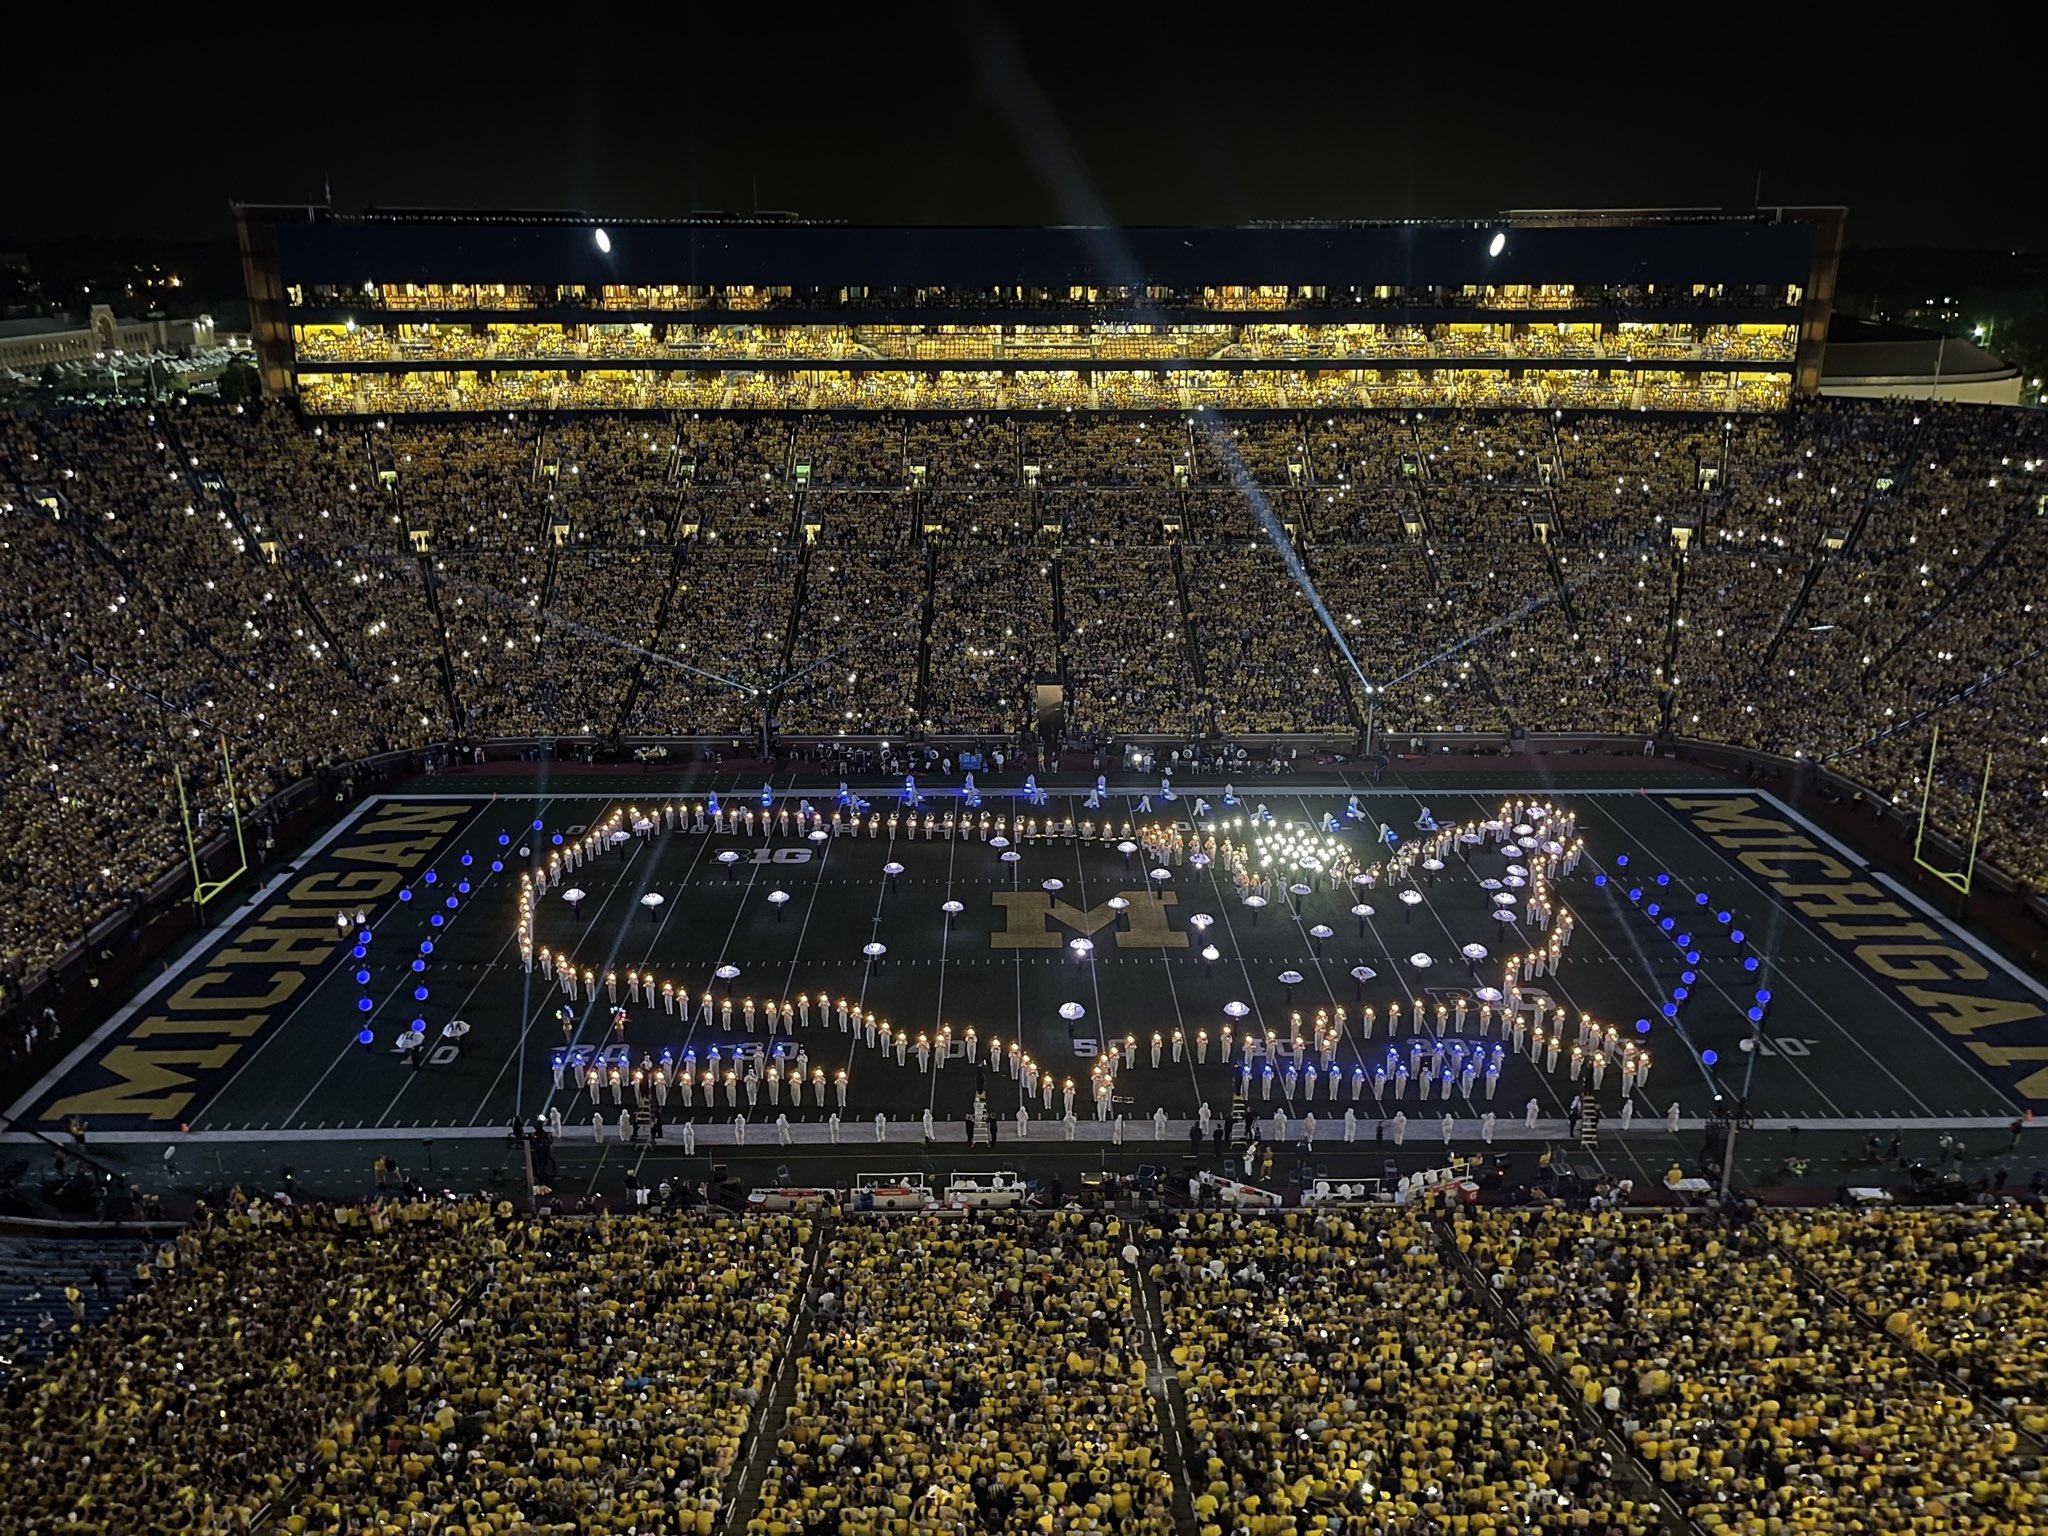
604,241
1498,243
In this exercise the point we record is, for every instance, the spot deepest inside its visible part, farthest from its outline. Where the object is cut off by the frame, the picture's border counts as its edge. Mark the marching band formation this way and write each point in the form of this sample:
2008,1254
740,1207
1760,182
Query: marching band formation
1442,1044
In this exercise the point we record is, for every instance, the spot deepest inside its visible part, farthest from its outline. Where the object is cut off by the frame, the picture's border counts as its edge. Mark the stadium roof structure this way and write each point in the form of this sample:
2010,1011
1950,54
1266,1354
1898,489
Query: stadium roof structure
431,247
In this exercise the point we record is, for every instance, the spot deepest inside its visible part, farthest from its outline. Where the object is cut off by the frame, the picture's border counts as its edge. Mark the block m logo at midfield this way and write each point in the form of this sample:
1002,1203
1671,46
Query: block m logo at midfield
1033,920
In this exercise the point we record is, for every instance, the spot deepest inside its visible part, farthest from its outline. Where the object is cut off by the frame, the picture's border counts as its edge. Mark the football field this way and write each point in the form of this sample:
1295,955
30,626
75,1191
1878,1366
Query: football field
1713,934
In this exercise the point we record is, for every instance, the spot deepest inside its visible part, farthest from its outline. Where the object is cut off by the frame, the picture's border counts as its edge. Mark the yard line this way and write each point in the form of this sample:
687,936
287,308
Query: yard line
1617,909
1920,1030
746,891
195,957
810,906
379,1009
545,1005
1223,900
1556,1095
867,970
945,936
1102,1038
335,968
590,999
460,1008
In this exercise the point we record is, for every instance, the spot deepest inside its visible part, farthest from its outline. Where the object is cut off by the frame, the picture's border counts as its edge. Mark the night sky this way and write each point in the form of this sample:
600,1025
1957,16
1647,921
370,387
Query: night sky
932,115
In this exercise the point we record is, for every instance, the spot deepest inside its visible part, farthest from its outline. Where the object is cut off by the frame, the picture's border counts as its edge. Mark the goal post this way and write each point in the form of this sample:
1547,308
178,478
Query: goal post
1957,879
204,890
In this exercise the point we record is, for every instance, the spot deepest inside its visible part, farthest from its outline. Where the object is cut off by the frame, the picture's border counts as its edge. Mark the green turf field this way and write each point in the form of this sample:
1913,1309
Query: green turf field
1878,1009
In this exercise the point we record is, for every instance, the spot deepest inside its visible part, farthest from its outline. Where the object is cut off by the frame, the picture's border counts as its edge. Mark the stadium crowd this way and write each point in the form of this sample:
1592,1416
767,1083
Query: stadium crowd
1758,1403
969,1376
457,1366
1834,583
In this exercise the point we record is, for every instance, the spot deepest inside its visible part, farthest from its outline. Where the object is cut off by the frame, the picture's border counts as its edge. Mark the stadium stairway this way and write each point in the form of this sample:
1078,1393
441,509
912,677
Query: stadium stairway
1164,1384
922,697
432,584
1816,561
1629,1471
678,560
1926,1363
1187,629
1674,629
757,1447
280,1505
1910,632
230,504
35,1316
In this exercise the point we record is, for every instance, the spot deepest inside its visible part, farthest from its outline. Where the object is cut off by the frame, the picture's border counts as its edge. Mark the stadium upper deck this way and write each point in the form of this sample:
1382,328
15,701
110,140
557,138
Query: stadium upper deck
438,312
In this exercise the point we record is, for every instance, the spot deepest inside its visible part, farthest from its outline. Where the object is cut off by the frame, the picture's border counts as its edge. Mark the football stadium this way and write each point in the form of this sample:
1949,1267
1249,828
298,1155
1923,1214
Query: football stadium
760,876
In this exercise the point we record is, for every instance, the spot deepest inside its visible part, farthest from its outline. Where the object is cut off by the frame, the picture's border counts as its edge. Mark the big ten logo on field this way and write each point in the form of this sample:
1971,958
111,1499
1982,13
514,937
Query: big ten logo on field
781,856
1029,918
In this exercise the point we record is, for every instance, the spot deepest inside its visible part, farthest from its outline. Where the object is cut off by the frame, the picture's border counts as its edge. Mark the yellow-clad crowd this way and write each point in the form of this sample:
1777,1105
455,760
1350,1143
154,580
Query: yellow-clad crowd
967,1376
602,1379
1833,582
1968,1288
1765,1408
245,1342
1341,1375
458,1368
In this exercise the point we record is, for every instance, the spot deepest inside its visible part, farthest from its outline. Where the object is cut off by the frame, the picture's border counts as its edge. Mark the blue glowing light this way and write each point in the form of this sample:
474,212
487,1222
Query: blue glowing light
365,1037
1710,1057
1701,898
1599,880
1653,909
1621,861
453,900
360,951
1749,964
418,966
362,978
1724,917
1663,879
405,895
1692,957
1756,1015
1680,993
436,919
1635,893
364,1004
426,946
432,878
419,994
1642,1026
1667,925
1671,1010
1736,935
536,823
558,839
497,867
467,861
505,839
463,887
1688,977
